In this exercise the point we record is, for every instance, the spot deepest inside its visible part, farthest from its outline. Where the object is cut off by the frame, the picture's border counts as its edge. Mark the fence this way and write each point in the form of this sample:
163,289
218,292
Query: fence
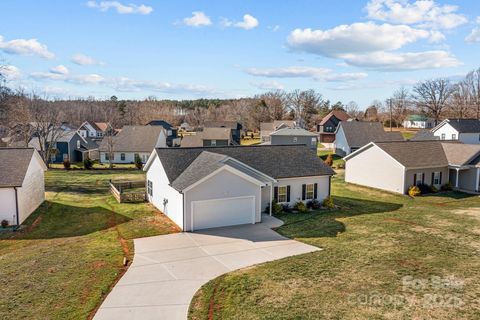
119,190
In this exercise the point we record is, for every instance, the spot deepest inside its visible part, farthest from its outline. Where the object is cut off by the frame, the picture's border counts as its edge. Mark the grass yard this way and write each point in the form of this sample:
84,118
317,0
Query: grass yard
370,244
71,251
337,160
96,165
249,142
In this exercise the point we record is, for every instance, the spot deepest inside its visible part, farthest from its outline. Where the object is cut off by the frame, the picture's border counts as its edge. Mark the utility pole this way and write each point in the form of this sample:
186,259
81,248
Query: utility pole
390,105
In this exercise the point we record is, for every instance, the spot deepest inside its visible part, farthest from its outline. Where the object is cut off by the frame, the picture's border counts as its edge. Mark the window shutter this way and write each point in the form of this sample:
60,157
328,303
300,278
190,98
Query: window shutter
304,191
275,194
414,179
433,177
440,177
288,193
423,177
315,189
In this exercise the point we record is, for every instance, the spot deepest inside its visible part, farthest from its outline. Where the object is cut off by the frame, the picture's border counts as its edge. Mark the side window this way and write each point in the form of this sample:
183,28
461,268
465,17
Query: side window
150,187
443,136
314,141
78,144
282,194
454,136
295,139
213,142
122,156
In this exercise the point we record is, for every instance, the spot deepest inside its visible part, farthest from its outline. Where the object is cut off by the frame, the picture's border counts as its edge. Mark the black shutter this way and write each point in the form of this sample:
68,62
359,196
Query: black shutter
440,182
433,177
275,194
423,178
288,193
414,179
304,191
315,189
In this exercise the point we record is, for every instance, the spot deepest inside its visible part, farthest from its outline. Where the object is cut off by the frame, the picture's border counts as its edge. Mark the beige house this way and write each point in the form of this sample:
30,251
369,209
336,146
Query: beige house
396,166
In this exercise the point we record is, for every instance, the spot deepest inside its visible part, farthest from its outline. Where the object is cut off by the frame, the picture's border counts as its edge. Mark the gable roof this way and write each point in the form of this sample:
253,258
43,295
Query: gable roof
277,124
134,139
462,125
360,133
424,134
416,154
460,154
339,114
293,132
222,124
279,161
14,163
162,123
207,134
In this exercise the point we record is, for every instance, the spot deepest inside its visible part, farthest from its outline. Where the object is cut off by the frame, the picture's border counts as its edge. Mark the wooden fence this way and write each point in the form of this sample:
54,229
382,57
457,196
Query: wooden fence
120,190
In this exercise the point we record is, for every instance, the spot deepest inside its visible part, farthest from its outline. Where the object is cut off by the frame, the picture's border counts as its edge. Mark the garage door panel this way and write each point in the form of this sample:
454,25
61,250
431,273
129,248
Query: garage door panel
223,212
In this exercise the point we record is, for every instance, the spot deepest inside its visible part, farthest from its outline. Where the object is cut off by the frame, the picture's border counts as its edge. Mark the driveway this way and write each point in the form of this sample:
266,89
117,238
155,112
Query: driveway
168,270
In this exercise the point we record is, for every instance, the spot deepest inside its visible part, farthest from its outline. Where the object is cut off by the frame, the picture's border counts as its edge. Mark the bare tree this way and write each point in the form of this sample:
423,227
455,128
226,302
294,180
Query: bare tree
305,104
352,109
433,97
461,106
401,104
112,118
472,83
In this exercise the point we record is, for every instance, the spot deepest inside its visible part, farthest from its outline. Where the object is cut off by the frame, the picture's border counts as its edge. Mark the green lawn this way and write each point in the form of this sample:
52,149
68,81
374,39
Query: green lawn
71,251
370,243
337,160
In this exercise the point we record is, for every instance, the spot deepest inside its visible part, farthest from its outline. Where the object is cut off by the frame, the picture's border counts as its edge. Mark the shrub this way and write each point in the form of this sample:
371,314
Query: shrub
276,207
328,203
329,160
314,204
433,189
4,223
414,191
300,207
138,162
66,164
424,188
286,208
447,187
87,163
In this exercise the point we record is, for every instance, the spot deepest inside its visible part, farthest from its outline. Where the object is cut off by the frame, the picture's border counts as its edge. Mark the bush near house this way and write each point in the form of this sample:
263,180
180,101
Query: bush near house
276,207
300,207
66,164
314,204
87,163
414,191
329,160
447,187
138,162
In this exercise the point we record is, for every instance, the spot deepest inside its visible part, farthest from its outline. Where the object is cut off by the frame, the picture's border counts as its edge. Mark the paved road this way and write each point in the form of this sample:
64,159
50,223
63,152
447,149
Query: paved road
168,270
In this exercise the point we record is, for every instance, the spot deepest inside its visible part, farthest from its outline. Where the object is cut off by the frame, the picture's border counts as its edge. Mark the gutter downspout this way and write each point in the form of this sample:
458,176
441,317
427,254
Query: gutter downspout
271,197
16,208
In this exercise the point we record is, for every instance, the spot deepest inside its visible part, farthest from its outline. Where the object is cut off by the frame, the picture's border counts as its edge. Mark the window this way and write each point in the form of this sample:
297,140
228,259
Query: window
136,156
122,156
150,187
309,194
106,156
295,139
436,178
314,141
328,129
443,136
454,136
282,194
419,178
169,133
213,142
99,134
78,144
144,158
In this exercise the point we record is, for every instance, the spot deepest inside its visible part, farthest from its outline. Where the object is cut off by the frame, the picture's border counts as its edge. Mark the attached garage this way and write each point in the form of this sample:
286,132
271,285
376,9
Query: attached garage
223,212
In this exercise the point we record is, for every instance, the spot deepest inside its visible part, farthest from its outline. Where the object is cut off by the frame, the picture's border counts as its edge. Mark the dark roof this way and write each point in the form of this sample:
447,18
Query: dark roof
360,133
416,154
14,163
339,114
423,135
465,125
461,154
276,161
162,123
293,132
134,139
223,124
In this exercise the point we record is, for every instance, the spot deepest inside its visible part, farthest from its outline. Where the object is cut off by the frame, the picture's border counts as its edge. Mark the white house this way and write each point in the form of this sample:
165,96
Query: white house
200,188
131,142
417,121
464,130
94,130
22,186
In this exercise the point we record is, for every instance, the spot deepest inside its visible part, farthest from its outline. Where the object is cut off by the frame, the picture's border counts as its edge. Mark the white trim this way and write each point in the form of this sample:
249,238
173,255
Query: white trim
325,175
150,160
371,144
441,124
192,204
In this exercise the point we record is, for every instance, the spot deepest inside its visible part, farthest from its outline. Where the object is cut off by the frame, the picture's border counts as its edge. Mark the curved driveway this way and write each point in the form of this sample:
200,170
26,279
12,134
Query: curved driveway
167,270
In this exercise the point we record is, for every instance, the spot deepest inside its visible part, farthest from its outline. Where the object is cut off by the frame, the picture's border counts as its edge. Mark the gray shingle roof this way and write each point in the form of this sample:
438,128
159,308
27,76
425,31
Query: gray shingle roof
424,134
293,132
465,125
459,153
360,133
134,139
416,154
14,163
222,124
279,161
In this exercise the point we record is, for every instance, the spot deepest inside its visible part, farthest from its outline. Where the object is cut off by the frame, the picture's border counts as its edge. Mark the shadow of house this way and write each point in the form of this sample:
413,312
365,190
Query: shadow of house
325,224
55,220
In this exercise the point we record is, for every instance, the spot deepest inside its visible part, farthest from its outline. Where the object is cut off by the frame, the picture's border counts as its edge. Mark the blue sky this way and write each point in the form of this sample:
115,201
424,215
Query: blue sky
347,50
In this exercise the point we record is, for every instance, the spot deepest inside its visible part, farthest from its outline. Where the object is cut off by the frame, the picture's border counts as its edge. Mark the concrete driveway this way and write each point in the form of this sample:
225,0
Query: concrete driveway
168,270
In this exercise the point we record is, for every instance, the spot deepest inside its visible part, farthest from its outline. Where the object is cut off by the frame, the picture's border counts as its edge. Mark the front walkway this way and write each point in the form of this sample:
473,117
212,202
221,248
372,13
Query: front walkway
167,270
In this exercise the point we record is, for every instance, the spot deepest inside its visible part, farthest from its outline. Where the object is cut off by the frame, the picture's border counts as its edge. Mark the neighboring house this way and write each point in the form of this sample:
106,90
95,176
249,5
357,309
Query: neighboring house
267,128
200,188
71,146
422,135
209,137
94,130
287,136
172,133
352,135
132,141
234,126
327,127
185,127
396,166
22,186
417,121
464,130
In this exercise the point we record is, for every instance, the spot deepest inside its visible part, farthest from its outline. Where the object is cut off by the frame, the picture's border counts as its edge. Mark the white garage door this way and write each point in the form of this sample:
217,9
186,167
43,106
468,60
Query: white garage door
222,212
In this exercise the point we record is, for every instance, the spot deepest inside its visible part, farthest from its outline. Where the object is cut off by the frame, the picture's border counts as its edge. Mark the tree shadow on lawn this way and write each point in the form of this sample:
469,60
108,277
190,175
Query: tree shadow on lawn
457,195
56,220
324,223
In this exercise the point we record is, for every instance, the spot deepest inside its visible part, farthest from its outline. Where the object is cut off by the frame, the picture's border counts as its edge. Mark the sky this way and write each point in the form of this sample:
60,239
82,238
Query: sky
189,49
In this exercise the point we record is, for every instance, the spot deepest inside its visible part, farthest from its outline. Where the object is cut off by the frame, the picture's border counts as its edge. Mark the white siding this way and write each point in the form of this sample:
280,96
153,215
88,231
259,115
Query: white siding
224,184
340,145
470,138
32,192
162,190
448,130
8,209
129,157
374,168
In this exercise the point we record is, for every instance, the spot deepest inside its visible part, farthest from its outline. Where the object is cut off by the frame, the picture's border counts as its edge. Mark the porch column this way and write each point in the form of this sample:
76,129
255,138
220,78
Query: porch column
271,197
477,181
456,180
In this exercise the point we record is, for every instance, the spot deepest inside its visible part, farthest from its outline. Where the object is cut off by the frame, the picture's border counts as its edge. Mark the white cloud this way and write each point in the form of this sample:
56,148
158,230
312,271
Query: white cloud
84,60
198,19
76,79
425,13
10,72
28,47
249,22
355,38
320,74
120,8
60,69
474,35
389,61
268,85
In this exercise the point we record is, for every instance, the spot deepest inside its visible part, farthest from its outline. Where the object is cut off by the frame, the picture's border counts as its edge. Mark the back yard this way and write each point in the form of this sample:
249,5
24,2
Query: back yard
71,252
385,257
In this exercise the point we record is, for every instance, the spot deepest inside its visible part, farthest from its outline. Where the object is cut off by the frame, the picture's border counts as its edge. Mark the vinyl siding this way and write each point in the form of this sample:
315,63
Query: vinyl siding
306,140
8,208
32,193
129,157
410,173
341,145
